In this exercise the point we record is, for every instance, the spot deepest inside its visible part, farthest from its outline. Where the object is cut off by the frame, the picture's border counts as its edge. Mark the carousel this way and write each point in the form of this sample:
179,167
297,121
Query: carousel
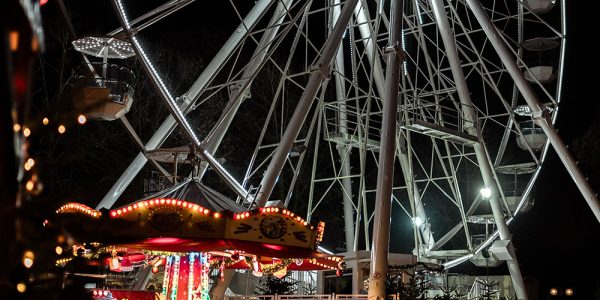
189,234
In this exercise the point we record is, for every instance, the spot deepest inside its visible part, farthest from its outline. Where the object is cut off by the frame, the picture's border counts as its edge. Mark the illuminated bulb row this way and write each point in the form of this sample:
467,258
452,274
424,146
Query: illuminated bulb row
269,209
63,261
161,201
158,79
123,15
87,44
81,119
241,216
334,258
285,212
297,218
320,230
78,207
315,262
29,164
99,293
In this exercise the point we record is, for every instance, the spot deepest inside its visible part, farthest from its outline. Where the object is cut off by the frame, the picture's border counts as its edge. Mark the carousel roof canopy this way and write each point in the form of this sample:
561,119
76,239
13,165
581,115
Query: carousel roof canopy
193,191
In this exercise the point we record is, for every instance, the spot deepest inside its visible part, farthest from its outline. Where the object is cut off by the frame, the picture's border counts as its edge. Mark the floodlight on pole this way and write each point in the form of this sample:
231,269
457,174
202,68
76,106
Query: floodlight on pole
418,221
486,192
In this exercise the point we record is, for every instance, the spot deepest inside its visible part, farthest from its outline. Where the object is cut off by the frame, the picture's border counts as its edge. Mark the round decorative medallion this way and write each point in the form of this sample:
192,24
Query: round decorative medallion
165,219
273,227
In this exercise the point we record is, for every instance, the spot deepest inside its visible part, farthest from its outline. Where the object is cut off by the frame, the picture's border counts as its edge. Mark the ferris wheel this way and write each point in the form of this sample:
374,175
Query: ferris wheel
478,92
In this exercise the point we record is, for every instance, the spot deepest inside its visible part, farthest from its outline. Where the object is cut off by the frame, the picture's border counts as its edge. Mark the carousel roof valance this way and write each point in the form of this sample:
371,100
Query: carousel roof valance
176,225
192,190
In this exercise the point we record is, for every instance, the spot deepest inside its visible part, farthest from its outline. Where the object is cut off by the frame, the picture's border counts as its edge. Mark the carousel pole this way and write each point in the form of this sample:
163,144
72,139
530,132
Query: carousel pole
175,162
104,65
385,174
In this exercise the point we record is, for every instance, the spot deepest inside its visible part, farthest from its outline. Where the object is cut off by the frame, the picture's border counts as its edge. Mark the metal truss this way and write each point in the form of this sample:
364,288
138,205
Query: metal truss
461,102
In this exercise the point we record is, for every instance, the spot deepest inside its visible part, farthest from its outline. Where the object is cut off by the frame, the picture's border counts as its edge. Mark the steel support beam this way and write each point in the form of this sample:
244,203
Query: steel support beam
385,173
343,150
470,119
317,76
540,115
203,80
366,33
240,91
173,106
232,43
154,15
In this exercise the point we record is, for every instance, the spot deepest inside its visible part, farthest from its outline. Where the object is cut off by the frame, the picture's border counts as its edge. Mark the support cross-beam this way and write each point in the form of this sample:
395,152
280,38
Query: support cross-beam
385,173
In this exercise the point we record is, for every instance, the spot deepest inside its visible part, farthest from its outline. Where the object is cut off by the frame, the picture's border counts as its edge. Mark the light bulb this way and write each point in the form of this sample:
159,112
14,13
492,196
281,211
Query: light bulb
418,221
486,192
28,258
29,185
21,287
81,119
569,292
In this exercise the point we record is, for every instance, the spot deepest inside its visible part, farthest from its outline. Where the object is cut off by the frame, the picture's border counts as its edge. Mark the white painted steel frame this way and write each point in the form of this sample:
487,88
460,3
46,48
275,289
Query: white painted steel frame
428,77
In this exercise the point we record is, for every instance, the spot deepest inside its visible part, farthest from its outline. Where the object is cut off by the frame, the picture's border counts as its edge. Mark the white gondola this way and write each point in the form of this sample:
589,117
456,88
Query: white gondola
541,72
533,137
540,6
107,96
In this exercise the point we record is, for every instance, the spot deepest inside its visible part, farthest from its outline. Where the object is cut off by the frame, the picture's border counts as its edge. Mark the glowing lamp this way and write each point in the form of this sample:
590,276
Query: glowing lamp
418,221
569,292
81,119
28,258
21,287
486,192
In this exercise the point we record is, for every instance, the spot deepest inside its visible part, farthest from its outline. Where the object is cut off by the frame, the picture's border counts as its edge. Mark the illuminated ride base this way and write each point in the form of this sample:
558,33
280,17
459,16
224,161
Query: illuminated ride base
186,241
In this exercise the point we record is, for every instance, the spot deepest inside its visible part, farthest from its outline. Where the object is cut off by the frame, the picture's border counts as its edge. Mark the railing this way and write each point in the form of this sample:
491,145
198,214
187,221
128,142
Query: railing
118,79
304,297
481,289
307,297
445,114
360,297
343,121
252,297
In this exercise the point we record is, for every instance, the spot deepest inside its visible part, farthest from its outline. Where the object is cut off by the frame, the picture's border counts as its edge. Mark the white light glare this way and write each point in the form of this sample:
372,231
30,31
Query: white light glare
418,222
486,192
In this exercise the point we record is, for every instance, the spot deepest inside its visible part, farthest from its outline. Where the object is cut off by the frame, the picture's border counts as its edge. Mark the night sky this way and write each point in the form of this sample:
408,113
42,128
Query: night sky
557,239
